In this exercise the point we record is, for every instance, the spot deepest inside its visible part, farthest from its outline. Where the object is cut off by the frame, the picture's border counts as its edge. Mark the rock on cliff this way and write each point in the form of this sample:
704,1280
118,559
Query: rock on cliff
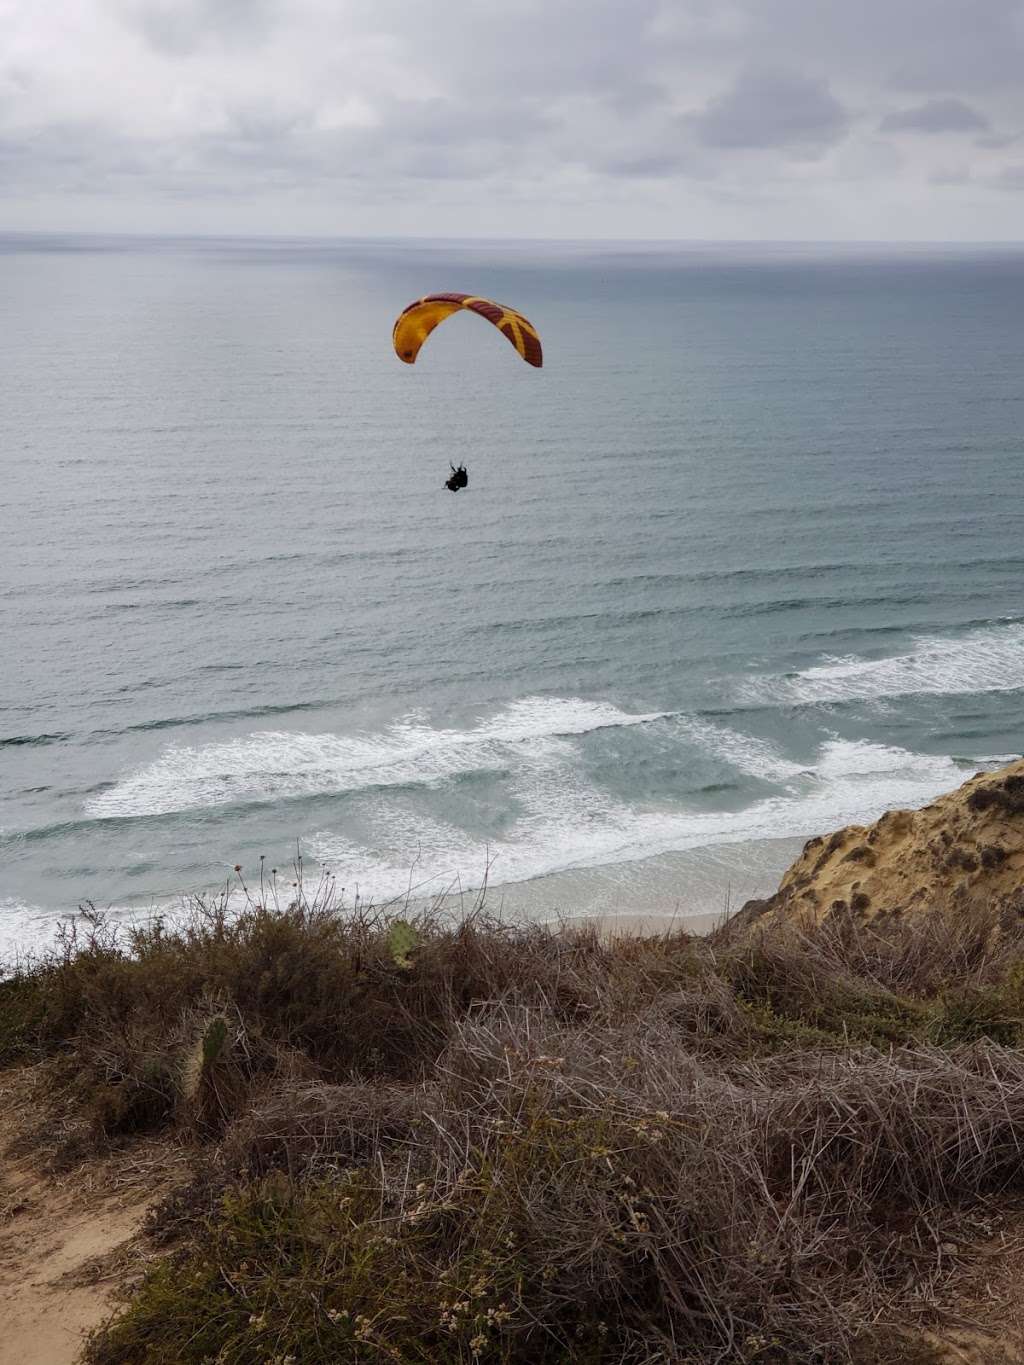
966,847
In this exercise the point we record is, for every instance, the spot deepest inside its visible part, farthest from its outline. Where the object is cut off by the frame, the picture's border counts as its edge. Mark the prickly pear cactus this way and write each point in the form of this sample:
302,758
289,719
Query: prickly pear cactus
214,1038
203,1056
402,939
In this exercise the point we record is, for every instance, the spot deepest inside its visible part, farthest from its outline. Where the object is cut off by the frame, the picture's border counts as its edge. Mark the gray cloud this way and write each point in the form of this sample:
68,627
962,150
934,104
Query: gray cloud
933,46
583,117
179,27
996,142
766,109
654,167
936,116
448,122
547,48
955,175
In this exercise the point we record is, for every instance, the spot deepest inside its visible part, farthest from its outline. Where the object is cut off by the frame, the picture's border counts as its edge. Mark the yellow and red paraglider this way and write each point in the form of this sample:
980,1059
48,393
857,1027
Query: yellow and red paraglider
415,323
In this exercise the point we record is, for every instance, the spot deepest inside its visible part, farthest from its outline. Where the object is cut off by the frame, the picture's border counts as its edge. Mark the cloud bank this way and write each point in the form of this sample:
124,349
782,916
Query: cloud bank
598,118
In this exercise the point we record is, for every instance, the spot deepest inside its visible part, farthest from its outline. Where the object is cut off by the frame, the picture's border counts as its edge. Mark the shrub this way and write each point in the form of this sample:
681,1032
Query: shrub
473,1142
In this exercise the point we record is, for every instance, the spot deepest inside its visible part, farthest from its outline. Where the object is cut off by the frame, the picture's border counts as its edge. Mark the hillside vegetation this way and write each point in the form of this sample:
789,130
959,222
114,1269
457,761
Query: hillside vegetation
429,1141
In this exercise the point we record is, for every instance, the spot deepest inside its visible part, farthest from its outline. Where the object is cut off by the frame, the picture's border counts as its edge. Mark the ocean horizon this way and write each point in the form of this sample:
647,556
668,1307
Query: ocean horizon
740,565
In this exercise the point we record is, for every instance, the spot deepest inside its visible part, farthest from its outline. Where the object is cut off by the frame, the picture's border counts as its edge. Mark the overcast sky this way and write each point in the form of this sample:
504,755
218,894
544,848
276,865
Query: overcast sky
805,119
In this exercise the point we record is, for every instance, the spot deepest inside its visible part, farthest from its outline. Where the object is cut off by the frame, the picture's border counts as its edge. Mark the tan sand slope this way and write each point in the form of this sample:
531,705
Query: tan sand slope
55,1280
66,1242
966,847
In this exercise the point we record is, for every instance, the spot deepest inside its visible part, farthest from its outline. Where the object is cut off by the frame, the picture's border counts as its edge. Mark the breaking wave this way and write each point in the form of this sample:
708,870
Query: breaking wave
566,823
276,765
986,660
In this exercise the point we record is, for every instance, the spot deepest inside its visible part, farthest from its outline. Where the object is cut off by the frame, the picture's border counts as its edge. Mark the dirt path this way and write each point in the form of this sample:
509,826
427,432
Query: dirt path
66,1242
58,1265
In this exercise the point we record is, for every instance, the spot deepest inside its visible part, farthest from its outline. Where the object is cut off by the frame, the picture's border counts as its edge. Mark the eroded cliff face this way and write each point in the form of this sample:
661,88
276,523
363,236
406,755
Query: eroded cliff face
965,848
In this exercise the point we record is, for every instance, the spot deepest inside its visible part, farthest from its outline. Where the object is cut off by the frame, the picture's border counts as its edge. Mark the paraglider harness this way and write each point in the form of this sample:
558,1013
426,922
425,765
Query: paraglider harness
458,478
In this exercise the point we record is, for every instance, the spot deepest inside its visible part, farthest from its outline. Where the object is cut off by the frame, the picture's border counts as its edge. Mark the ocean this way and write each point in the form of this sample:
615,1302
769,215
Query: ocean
741,564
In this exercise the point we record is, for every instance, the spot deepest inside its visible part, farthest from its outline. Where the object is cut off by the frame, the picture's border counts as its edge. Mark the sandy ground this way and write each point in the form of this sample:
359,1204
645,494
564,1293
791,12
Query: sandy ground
54,1274
627,926
66,1242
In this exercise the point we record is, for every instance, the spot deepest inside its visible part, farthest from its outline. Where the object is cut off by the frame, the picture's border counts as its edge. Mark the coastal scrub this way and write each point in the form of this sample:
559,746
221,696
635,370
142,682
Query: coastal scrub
423,1140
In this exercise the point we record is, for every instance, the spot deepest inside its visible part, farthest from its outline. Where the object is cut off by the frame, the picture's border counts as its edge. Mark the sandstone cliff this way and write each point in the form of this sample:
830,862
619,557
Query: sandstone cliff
965,848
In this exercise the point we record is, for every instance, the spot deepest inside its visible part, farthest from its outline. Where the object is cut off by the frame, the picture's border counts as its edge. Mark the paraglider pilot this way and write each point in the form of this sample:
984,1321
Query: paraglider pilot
457,479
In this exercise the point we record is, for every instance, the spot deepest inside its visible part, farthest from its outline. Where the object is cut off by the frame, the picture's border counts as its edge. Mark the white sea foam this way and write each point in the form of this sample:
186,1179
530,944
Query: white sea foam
27,930
24,928
275,765
990,659
562,821
755,757
567,824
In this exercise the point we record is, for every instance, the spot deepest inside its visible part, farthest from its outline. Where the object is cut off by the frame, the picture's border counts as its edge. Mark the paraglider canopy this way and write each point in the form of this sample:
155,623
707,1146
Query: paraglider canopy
415,323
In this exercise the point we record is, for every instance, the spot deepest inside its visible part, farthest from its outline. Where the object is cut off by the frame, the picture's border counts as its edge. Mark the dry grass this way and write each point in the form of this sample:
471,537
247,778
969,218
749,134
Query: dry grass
479,1143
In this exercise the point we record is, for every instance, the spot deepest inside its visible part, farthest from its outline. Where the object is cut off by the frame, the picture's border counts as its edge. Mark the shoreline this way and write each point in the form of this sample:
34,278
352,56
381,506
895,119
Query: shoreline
680,889
634,925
